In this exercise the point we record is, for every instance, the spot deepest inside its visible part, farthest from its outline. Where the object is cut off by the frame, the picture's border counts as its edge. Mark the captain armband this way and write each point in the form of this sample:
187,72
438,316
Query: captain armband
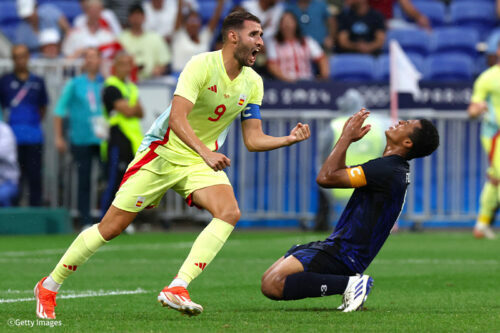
356,176
251,111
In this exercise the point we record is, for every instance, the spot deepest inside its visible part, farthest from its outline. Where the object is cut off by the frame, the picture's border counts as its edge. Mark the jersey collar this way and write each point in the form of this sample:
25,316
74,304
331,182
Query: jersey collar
224,73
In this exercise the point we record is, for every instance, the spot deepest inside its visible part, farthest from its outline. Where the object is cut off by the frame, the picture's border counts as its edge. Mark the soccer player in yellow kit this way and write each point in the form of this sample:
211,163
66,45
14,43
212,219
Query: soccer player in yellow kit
486,100
180,152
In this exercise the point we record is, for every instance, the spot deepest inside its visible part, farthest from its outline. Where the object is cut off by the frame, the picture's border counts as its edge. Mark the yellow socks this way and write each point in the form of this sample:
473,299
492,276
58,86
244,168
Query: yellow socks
488,204
204,249
82,248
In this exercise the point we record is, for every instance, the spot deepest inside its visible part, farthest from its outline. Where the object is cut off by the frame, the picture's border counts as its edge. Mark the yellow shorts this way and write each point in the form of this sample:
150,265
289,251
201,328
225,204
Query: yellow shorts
149,176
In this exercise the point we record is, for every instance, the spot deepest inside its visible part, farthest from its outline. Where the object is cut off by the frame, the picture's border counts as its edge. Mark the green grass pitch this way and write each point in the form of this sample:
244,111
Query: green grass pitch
427,282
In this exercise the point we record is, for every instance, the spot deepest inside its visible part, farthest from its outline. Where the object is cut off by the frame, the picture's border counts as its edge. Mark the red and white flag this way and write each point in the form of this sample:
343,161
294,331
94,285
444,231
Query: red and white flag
404,76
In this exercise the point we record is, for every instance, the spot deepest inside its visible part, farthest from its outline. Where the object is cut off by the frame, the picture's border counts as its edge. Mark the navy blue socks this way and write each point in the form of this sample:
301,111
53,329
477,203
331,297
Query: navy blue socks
307,284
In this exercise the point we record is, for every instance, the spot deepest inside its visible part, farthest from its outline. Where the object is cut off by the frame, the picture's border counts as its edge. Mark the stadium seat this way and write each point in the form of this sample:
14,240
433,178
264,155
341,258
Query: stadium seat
382,69
352,67
207,8
8,13
9,31
455,40
434,10
474,14
485,1
411,40
449,67
71,9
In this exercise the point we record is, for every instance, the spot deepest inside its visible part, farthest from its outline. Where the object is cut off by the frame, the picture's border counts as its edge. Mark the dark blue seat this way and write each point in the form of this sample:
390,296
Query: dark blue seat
455,40
71,9
352,67
411,40
449,67
434,10
485,1
207,9
8,13
382,65
478,15
9,31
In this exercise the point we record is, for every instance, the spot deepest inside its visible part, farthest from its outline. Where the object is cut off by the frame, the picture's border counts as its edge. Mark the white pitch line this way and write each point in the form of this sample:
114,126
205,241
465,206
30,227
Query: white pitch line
89,293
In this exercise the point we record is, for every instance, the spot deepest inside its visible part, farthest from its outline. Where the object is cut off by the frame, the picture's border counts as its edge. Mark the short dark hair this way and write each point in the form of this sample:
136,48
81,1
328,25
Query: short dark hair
425,140
298,32
135,8
235,20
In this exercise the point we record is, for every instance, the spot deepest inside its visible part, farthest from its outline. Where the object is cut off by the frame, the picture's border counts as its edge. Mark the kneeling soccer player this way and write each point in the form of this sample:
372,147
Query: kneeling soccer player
335,265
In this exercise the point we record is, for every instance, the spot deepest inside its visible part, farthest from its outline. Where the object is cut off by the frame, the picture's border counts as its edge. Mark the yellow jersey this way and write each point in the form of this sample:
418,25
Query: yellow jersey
217,101
487,89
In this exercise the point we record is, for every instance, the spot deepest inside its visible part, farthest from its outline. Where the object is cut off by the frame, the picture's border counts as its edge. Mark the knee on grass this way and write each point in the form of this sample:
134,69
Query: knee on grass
272,285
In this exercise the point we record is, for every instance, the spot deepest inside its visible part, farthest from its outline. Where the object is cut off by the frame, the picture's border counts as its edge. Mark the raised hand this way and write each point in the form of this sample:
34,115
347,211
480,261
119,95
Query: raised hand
299,133
353,127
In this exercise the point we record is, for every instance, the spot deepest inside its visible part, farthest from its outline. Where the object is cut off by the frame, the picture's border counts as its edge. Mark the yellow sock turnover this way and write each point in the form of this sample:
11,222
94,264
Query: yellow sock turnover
205,248
82,248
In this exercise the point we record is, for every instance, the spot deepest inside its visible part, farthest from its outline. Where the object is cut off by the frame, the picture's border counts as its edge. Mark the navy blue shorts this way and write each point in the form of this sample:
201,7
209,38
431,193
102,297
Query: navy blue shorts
319,257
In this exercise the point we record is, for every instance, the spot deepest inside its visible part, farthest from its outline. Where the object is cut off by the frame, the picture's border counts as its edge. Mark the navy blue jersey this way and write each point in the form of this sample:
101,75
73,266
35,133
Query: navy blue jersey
370,214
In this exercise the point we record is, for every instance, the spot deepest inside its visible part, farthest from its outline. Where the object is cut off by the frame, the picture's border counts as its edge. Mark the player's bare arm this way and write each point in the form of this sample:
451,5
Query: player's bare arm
178,123
334,173
477,108
256,140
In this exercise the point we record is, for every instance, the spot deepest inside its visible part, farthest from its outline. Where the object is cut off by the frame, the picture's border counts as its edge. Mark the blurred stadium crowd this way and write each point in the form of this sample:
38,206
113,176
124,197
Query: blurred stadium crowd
304,39
339,40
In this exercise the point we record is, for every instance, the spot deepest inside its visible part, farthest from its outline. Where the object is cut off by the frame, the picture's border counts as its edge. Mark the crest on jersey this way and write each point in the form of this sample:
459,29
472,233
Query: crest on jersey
242,99
140,201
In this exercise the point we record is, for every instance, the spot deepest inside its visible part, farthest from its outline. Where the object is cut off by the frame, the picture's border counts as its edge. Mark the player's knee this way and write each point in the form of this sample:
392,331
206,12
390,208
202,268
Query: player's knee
272,286
230,215
109,231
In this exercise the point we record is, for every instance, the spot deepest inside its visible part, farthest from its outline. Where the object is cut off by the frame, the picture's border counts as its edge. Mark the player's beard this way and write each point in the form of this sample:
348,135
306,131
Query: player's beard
242,54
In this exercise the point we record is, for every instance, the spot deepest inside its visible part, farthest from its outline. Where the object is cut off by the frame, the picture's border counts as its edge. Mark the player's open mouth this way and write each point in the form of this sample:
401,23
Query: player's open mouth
254,54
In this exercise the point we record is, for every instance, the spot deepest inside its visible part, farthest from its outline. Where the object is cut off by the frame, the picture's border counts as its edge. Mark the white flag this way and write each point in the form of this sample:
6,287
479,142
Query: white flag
404,76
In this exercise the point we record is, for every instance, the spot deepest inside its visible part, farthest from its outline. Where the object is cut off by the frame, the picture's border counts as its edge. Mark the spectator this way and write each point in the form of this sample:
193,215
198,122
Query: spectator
290,54
24,99
107,19
5,46
80,101
268,11
9,169
385,7
92,34
160,17
188,40
151,53
492,47
123,110
49,44
36,19
361,29
121,7
315,21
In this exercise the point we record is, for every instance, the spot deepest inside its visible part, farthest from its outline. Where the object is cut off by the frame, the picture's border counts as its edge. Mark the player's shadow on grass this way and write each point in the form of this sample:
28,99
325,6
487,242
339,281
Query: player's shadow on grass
316,310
